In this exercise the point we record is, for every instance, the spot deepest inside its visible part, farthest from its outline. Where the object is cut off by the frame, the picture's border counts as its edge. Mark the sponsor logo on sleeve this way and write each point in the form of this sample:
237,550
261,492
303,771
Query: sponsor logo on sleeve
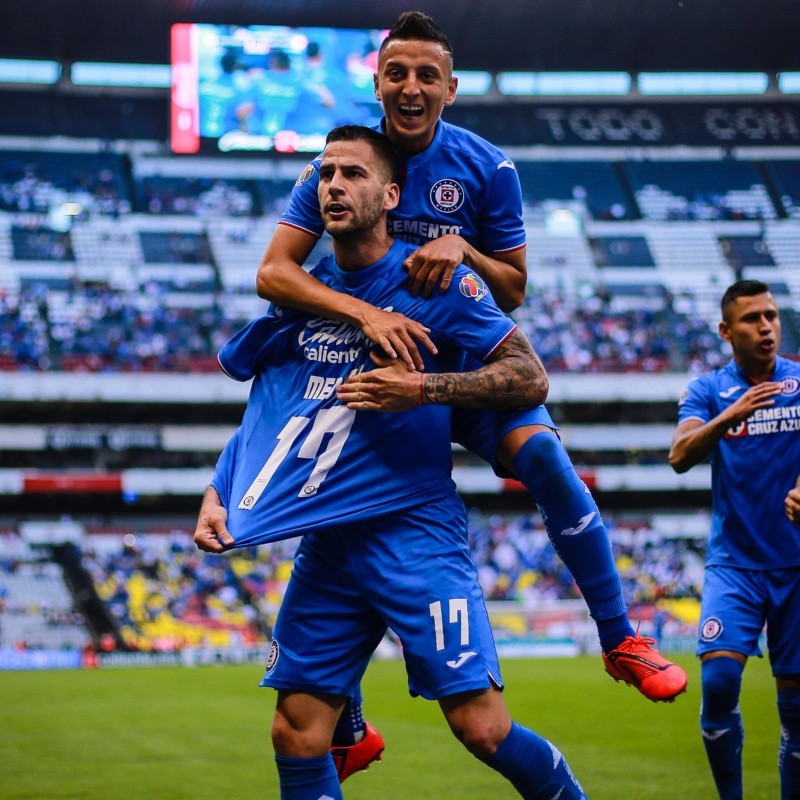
472,286
305,175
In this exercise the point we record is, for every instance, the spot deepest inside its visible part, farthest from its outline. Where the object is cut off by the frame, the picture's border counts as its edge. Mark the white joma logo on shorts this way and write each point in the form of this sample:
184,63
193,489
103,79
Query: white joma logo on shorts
462,659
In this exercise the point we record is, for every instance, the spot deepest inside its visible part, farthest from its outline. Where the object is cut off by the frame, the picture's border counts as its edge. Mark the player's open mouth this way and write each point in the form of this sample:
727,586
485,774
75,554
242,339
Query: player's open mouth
411,111
335,209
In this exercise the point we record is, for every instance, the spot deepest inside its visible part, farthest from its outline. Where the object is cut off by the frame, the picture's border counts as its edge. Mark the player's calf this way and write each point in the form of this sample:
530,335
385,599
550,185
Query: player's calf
721,723
789,754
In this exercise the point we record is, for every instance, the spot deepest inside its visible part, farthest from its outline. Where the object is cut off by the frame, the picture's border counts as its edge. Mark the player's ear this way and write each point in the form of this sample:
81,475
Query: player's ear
724,331
375,84
452,88
392,196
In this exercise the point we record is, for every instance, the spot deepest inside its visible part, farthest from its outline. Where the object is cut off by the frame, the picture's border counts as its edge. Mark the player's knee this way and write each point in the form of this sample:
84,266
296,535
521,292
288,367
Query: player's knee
288,740
481,734
545,454
721,680
283,736
721,676
481,740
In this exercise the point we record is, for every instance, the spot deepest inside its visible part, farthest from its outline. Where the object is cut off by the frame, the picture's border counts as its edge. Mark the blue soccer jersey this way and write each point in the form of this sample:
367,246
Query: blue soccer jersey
753,467
301,461
459,184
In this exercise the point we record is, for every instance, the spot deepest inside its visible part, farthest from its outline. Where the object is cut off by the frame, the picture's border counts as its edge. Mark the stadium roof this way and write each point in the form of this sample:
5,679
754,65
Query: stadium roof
635,35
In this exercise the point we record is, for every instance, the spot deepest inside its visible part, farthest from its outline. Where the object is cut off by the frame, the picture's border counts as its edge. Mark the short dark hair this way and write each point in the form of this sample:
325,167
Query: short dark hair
417,26
744,288
379,142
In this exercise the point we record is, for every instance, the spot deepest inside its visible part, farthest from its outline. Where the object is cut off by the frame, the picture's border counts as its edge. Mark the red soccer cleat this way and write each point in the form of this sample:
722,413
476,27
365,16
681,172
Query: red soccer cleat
637,663
358,756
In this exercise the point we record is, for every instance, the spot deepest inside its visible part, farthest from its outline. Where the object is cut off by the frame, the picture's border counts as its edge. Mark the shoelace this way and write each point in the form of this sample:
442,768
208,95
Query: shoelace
632,642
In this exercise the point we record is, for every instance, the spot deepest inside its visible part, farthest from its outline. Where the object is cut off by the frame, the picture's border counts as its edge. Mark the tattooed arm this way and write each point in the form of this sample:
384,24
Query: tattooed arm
513,377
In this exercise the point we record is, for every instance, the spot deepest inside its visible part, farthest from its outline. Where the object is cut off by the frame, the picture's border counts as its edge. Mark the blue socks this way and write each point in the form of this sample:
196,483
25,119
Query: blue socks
576,529
308,778
789,753
351,726
721,724
535,767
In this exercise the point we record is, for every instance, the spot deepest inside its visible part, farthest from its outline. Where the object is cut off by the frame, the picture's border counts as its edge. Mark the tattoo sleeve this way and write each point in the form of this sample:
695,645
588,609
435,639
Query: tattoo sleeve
512,378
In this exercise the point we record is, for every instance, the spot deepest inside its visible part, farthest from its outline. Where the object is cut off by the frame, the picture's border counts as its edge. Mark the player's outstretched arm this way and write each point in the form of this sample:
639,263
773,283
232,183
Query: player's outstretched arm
282,280
792,502
211,533
693,440
434,263
513,377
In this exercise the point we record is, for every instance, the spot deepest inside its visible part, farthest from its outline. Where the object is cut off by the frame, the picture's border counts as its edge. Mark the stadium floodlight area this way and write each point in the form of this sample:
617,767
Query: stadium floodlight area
474,83
91,73
564,83
18,70
789,82
702,83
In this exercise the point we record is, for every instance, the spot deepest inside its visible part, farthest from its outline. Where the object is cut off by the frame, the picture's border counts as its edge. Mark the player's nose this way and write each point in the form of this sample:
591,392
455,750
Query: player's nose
411,85
335,184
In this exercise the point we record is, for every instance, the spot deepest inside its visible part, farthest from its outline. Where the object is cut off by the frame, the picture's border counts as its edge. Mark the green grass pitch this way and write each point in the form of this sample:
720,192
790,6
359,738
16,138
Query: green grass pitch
202,734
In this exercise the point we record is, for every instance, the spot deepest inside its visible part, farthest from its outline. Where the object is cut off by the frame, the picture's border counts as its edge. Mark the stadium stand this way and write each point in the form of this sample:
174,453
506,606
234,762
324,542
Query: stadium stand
164,595
124,268
702,190
37,609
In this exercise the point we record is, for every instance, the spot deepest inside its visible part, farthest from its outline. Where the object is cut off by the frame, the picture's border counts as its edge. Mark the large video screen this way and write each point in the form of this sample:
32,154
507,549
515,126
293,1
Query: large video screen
269,88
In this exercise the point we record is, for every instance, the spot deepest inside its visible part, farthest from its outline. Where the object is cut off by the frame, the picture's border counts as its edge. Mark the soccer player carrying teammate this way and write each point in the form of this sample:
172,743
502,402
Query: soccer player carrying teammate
384,532
746,418
461,203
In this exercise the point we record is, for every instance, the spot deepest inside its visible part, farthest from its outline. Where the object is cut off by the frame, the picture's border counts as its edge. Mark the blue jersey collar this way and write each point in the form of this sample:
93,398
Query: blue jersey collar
353,278
429,152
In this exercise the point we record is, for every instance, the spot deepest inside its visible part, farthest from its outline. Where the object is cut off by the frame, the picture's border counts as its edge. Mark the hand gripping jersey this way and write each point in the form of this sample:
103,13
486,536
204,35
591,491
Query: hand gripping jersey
303,462
459,184
753,467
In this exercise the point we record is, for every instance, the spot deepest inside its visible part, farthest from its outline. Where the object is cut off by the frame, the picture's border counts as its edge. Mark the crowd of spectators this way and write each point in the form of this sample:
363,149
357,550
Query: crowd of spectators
164,594
517,562
198,197
586,334
95,327
33,184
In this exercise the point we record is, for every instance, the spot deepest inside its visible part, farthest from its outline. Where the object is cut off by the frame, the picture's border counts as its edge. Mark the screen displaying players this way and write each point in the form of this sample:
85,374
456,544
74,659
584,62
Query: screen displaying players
269,88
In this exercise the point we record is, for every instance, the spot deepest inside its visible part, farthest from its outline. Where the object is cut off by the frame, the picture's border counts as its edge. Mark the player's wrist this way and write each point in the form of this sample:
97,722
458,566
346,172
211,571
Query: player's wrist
422,398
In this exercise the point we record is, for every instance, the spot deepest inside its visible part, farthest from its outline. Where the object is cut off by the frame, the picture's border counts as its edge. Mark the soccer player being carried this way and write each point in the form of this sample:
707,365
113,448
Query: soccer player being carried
461,202
384,537
745,416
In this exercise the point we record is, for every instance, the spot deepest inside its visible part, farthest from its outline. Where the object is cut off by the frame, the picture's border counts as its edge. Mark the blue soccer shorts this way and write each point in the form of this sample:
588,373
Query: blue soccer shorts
481,431
736,605
411,573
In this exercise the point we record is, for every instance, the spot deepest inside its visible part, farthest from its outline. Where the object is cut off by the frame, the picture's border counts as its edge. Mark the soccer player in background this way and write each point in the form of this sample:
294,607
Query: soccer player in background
461,203
384,532
745,417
